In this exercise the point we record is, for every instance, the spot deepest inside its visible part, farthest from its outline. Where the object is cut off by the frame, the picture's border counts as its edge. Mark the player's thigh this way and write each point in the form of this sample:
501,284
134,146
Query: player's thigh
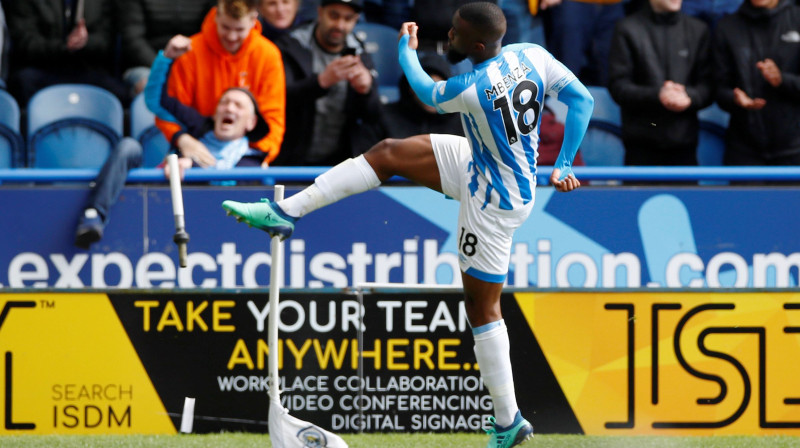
410,157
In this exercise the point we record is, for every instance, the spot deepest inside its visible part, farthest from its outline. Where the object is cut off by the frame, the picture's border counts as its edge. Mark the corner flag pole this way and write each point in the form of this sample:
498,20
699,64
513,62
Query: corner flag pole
180,237
275,276
286,431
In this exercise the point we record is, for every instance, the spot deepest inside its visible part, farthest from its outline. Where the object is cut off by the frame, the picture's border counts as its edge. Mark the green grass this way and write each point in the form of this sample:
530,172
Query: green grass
397,441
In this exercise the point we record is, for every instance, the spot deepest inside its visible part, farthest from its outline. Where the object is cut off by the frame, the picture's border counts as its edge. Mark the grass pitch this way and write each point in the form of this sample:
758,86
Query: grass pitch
237,440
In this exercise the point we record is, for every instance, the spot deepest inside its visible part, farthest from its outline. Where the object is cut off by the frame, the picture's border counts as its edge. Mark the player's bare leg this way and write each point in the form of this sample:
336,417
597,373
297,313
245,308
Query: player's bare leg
411,158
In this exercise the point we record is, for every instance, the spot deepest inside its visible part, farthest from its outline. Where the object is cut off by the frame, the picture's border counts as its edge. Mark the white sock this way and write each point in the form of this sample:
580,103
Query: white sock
492,350
345,179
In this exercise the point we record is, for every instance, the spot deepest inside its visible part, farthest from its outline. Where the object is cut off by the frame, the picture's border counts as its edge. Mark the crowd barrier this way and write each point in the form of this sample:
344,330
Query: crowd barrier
275,175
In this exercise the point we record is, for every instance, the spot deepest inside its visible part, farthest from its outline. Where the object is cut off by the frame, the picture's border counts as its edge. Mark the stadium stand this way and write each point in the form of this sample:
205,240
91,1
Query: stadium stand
12,147
72,126
711,143
380,41
144,130
602,145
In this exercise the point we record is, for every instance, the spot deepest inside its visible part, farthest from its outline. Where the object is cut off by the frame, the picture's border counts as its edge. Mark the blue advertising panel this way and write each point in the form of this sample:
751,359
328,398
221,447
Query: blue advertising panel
595,237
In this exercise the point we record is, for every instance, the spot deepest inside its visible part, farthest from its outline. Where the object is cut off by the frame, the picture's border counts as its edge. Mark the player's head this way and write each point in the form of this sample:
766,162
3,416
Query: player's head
235,19
335,20
237,115
477,32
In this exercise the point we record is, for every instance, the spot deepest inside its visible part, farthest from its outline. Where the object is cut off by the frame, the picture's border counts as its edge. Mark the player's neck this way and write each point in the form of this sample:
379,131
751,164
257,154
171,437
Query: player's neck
484,56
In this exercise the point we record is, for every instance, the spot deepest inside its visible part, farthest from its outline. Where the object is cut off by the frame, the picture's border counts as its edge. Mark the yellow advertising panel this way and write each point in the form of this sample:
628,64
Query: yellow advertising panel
693,363
613,363
70,368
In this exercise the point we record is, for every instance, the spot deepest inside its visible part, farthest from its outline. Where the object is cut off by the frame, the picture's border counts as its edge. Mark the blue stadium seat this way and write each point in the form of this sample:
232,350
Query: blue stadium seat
144,130
72,126
380,42
12,147
711,143
602,145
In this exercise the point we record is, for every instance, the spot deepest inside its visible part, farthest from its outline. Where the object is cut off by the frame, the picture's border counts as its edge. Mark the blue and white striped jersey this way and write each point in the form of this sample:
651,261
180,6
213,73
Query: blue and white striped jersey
500,102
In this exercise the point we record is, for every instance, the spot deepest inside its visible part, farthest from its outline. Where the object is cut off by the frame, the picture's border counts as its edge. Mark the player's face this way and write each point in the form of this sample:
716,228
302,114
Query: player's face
279,13
232,32
661,6
334,23
235,116
458,41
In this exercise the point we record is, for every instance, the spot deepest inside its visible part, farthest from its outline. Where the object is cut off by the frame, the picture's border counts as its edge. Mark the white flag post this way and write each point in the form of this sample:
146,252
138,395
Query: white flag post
286,431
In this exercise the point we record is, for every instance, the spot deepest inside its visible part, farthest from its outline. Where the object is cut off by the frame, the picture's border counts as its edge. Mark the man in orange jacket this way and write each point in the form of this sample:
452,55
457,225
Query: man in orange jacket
229,51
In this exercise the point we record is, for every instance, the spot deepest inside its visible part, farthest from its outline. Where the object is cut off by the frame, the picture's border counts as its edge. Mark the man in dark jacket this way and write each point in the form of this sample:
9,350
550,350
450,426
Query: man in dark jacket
57,42
329,87
659,74
757,67
147,25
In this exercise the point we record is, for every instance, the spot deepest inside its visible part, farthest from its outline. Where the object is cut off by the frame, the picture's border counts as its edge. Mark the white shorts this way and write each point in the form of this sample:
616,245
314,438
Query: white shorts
484,233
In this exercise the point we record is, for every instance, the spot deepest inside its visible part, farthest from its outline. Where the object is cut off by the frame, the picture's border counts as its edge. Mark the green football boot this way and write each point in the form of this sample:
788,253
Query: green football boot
519,431
264,215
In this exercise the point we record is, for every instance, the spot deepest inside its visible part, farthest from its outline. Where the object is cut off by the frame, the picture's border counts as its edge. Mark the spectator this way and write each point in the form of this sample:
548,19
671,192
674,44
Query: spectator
147,25
578,33
659,74
229,51
277,17
61,41
409,116
236,120
757,68
320,72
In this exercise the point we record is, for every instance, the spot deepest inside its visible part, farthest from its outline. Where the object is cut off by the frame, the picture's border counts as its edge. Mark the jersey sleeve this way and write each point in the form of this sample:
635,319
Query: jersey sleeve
557,74
437,94
447,94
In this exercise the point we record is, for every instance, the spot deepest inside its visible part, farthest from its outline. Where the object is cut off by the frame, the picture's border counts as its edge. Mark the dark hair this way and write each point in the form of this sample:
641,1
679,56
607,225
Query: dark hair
487,18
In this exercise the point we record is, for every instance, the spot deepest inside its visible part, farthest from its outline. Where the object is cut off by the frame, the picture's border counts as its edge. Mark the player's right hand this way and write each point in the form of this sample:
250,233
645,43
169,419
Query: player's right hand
409,28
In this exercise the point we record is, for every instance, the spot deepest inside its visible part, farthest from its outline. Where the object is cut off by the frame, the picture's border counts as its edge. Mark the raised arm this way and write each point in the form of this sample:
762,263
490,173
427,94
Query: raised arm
422,84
